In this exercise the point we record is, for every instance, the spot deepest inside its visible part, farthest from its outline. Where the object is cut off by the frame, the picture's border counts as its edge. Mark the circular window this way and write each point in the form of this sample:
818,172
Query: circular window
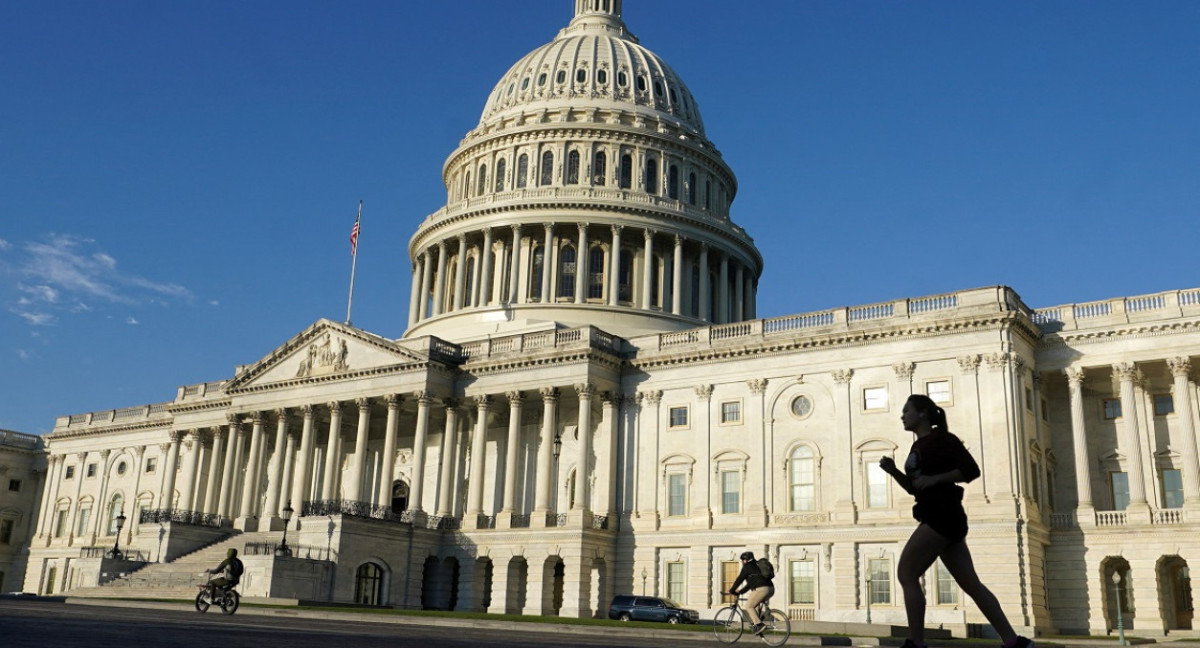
801,406
121,468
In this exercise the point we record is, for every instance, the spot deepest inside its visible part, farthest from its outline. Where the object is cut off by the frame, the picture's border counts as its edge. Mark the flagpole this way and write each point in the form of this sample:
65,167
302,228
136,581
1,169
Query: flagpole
353,260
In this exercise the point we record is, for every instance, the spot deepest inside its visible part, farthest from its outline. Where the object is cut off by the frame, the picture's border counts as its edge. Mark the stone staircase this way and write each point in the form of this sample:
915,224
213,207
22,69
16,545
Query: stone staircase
177,579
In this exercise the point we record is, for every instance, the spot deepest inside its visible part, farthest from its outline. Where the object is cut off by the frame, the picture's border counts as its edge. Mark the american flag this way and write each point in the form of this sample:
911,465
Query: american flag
354,232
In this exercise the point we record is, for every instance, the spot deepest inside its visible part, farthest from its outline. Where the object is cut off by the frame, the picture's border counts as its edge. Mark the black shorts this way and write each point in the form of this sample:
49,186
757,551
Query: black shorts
943,512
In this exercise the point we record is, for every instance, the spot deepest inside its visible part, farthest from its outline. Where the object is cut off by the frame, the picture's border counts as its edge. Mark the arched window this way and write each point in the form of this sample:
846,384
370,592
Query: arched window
673,182
368,584
695,292
599,169
466,186
566,272
469,281
802,479
651,176
656,281
115,508
501,169
707,193
451,278
691,187
573,167
522,171
535,271
596,273
626,172
625,277
482,188
547,175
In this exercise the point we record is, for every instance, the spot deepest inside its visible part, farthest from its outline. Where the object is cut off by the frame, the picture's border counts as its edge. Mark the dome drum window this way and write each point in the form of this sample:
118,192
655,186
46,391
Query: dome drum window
541,80
602,76
641,84
581,76
622,80
561,77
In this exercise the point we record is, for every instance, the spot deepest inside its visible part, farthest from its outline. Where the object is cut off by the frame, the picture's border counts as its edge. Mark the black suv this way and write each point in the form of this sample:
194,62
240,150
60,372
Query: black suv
650,608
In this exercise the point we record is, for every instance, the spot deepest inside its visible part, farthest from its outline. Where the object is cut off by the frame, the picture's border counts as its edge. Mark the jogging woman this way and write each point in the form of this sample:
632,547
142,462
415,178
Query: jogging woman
937,462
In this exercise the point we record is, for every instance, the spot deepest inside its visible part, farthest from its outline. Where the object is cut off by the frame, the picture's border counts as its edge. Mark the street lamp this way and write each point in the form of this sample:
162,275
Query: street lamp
557,446
1116,579
282,549
643,581
116,551
867,589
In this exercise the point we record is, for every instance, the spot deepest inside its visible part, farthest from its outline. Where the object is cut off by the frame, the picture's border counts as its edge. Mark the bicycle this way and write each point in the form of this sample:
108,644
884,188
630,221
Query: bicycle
224,597
729,623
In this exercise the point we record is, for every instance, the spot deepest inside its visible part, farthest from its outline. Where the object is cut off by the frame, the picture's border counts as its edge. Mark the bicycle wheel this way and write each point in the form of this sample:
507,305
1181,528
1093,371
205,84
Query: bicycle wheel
230,602
202,601
778,628
727,625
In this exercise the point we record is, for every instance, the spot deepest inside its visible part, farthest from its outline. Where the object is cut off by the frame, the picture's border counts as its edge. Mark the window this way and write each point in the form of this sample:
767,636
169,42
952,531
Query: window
675,581
802,582
1029,399
707,193
691,188
573,167
469,281
1112,408
1163,404
679,417
602,76
879,573
1045,410
60,523
560,77
938,391
522,171
1035,476
875,398
541,80
802,479
85,516
151,464
115,509
599,169
368,584
501,169
676,494
652,176
547,175
877,485
625,277
580,75
641,84
947,589
121,468
1119,484
622,80
566,271
70,473
535,281
6,531
524,84
731,412
14,485
730,491
673,182
482,186
729,573
1172,488
596,273
626,172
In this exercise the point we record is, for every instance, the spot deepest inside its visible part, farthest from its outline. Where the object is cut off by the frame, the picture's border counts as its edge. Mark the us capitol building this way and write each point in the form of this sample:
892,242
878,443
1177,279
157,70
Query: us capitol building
585,404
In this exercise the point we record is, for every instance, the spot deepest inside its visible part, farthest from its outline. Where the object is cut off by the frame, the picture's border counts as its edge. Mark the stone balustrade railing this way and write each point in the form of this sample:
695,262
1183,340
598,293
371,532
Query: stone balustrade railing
20,440
1173,303
565,338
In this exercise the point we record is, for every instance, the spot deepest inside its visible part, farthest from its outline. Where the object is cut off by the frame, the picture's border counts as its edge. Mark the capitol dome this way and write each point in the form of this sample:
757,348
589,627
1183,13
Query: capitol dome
588,194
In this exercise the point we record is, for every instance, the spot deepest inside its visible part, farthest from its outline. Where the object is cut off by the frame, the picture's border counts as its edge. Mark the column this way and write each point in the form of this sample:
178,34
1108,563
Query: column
355,489
1127,372
229,468
422,433
547,262
581,257
389,447
478,439
414,299
606,462
187,493
723,291
485,277
250,481
1180,369
702,298
303,471
1083,478
544,488
49,494
583,470
215,469
439,283
289,472
614,273
332,452
275,481
514,271
134,516
647,269
512,447
239,469
677,278
426,279
79,477
460,273
447,457
843,451
101,510
739,294
166,499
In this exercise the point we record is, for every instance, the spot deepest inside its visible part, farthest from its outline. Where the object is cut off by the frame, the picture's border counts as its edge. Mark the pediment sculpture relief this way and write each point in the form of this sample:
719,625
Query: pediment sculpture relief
324,356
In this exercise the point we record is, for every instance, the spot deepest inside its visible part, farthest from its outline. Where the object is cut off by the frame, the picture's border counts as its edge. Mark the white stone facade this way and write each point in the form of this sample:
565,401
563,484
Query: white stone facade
550,433
22,478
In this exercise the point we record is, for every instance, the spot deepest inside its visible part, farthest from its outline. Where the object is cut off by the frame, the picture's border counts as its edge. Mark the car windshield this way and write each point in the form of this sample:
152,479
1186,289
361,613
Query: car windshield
671,603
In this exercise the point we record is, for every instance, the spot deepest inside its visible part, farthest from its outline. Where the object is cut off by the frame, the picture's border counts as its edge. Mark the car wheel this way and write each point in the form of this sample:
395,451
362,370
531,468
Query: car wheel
624,616
673,620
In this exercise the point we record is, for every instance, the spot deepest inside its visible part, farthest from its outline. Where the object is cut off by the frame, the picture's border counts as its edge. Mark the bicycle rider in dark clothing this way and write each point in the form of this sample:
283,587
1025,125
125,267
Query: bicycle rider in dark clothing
758,586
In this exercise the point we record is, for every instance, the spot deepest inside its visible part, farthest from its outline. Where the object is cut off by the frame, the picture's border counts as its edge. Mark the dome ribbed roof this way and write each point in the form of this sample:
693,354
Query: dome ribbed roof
594,61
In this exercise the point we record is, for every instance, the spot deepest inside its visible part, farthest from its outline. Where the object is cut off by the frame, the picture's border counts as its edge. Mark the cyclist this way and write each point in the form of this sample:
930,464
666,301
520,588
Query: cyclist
231,572
758,586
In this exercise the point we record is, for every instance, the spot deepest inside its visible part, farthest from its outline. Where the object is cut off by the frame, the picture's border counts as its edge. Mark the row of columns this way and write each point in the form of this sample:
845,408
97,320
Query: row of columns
432,295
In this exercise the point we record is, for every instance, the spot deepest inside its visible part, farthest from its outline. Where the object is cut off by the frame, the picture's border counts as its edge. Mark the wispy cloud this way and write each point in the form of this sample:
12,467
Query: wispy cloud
132,320
65,274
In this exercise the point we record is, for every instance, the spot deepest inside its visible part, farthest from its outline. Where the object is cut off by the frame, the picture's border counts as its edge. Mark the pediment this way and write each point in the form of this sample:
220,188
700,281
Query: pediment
324,350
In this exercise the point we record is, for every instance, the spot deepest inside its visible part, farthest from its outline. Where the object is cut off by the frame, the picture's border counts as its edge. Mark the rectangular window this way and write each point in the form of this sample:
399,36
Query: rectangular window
875,398
879,572
1029,399
1119,482
151,464
938,391
675,582
14,485
6,529
1172,488
731,412
70,474
947,589
60,524
50,578
677,494
877,490
729,572
91,470
85,516
1035,476
802,582
1112,408
1045,410
1164,404
679,417
730,483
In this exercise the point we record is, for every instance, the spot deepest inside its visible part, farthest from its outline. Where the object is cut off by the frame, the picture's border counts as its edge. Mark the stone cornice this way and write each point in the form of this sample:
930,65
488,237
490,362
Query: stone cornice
1120,332
140,426
521,361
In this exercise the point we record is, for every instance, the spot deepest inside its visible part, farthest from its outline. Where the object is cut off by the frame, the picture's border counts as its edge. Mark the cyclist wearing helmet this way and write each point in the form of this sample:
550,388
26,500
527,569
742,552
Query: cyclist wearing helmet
758,587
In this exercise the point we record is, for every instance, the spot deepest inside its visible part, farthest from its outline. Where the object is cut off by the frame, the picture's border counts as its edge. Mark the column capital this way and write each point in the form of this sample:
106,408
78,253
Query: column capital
1126,371
363,403
393,401
335,406
516,228
549,394
757,385
996,361
842,376
652,396
648,234
968,364
234,422
281,413
514,398
423,397
678,240
256,418
549,226
1074,375
616,229
107,451
585,390
705,392
218,432
308,410
173,435
904,370
139,451
609,397
451,403
1180,366
482,402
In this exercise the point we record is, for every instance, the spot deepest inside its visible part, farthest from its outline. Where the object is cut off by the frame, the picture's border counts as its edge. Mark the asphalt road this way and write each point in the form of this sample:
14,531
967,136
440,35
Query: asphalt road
43,624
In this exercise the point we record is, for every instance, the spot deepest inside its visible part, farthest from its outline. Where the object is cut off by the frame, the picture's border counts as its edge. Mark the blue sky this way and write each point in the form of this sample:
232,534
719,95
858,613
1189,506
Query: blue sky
178,179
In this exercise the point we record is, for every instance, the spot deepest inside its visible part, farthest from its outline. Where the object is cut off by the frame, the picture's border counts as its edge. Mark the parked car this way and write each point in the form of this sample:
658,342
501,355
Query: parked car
650,608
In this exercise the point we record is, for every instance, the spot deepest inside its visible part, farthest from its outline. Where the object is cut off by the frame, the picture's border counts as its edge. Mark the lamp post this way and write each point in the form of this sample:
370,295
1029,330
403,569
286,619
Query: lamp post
116,550
282,549
643,581
557,451
867,591
1116,579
